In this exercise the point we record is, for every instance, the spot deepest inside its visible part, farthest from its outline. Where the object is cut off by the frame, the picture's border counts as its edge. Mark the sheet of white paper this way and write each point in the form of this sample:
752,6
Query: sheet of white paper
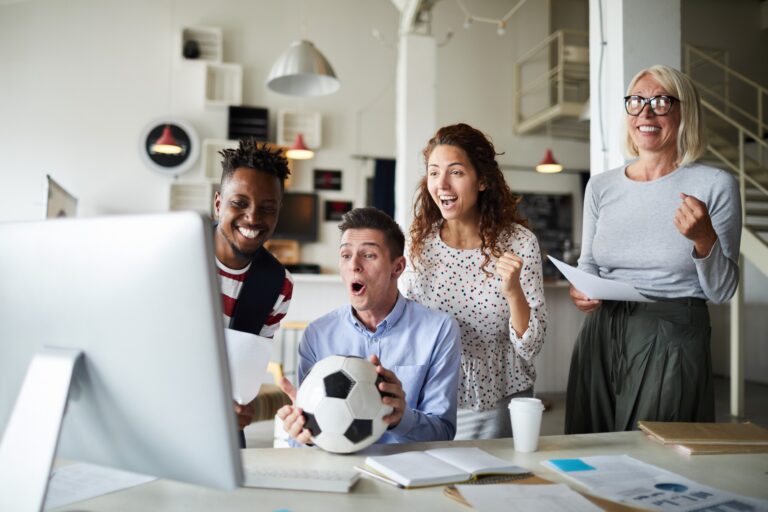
525,498
78,482
596,287
623,478
248,357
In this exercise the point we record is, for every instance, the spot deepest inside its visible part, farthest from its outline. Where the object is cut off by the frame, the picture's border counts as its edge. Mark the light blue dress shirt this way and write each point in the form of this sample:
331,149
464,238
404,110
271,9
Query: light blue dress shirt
421,346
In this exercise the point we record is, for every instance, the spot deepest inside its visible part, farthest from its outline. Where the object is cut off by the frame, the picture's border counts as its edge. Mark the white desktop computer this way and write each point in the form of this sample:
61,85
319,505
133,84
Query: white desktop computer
114,324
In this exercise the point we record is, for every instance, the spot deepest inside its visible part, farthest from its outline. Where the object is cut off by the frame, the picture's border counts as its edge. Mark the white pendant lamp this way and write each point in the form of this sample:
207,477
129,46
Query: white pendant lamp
302,71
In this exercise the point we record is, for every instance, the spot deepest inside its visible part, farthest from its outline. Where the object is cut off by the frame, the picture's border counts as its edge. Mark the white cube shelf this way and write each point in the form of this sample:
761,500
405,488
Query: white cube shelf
290,123
223,84
193,196
212,159
209,40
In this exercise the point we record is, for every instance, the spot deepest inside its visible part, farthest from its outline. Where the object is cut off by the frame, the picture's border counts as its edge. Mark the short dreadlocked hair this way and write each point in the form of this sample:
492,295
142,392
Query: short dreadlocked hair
254,155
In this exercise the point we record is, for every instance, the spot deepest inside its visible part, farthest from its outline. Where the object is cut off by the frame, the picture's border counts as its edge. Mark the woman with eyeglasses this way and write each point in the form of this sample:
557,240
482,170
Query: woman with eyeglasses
670,226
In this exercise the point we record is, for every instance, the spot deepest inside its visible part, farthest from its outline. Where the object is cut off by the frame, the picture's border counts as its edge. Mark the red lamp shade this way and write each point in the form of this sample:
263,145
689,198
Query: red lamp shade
299,150
549,165
167,144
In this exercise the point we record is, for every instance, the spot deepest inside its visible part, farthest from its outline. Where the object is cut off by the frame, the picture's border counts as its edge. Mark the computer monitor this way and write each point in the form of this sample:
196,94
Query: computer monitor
139,297
298,217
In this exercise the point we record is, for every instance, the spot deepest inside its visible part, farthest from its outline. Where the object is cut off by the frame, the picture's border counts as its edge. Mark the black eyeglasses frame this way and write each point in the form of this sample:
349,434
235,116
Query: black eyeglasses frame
647,101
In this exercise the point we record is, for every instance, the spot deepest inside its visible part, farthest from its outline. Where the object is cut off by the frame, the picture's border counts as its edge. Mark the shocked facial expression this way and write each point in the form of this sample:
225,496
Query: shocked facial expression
453,183
649,132
369,273
247,208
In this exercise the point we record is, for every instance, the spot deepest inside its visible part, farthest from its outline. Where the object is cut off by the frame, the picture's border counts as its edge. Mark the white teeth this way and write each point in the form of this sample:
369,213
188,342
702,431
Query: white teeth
447,198
649,129
248,233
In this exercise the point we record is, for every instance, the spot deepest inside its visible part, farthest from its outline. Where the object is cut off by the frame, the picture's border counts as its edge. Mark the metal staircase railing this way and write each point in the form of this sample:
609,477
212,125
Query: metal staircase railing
551,86
735,116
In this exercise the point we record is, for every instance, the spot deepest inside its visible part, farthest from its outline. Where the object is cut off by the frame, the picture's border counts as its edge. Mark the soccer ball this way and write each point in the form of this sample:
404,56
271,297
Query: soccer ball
342,405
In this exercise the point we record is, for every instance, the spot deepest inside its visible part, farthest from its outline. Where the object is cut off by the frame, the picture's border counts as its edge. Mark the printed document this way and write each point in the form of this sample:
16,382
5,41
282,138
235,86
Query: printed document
596,287
526,498
81,481
248,357
630,481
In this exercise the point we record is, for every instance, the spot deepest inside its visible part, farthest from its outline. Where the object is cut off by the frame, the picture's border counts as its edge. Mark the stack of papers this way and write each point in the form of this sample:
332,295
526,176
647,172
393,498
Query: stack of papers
628,480
525,498
82,481
708,438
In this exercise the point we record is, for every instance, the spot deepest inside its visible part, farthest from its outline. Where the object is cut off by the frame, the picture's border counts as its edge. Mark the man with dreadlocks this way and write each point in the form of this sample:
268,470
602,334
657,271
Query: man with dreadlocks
255,288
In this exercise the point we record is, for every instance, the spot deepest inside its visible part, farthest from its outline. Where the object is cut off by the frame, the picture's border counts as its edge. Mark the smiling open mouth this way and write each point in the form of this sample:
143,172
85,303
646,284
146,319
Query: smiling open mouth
447,200
248,233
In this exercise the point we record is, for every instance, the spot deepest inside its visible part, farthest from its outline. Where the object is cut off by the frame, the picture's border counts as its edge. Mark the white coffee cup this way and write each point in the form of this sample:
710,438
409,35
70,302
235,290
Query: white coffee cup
525,414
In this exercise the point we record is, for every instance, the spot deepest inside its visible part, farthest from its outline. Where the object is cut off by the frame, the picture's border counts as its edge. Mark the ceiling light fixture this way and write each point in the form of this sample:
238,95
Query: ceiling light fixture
299,150
501,24
548,164
303,71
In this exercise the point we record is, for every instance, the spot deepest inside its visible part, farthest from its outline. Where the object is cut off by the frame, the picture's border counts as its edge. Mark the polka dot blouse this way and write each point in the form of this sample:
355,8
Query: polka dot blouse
495,362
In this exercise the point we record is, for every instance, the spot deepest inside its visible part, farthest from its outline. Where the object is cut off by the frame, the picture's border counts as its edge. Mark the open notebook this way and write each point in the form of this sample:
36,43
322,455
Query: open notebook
439,466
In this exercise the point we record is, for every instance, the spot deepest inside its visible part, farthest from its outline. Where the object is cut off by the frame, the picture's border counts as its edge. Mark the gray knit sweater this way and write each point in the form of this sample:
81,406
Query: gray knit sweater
630,235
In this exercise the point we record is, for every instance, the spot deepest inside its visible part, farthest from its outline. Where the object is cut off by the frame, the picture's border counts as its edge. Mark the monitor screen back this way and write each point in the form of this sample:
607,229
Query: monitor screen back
140,297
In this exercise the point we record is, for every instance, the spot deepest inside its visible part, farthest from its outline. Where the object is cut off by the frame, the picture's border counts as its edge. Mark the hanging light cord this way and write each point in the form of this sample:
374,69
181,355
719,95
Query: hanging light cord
501,23
601,59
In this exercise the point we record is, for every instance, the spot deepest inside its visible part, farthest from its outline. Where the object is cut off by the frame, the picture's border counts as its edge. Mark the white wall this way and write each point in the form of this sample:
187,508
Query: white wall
81,79
475,78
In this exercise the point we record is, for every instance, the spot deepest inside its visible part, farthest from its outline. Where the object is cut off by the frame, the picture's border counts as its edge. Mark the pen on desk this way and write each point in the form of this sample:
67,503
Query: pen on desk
380,478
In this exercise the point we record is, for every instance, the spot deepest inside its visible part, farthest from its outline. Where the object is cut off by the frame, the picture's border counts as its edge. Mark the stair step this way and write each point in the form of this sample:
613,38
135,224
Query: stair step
756,204
757,228
756,220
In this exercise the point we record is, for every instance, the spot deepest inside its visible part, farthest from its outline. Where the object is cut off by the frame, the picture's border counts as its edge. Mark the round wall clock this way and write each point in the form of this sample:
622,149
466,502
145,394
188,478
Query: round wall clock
169,146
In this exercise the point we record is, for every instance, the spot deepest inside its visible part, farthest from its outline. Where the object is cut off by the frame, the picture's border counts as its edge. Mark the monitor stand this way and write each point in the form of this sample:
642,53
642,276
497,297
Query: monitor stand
32,434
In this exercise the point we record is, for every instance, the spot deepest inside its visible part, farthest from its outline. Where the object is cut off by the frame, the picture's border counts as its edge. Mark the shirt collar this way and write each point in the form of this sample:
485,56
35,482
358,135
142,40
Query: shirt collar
385,325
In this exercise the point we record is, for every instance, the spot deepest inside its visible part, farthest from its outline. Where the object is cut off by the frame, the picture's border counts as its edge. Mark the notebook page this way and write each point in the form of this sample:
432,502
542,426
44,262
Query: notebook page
475,461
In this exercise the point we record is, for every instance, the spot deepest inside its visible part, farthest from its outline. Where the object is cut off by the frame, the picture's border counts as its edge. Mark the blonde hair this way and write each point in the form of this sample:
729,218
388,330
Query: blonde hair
691,140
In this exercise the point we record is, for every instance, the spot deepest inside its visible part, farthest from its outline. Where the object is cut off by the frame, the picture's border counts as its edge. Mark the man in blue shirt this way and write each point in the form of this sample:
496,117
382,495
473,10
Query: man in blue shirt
416,350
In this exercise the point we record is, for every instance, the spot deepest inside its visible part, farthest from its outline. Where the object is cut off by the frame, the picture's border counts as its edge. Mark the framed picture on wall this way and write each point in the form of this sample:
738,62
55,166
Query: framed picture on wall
325,179
335,209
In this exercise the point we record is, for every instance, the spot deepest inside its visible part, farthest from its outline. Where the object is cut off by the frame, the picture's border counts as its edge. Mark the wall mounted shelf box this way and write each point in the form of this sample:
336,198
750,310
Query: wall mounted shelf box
209,42
291,123
223,84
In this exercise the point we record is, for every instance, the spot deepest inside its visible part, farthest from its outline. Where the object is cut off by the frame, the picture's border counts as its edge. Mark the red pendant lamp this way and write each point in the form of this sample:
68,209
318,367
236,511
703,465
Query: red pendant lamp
299,150
549,165
167,144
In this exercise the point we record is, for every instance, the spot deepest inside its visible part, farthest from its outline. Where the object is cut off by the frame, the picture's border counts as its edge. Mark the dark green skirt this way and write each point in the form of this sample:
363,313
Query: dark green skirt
641,361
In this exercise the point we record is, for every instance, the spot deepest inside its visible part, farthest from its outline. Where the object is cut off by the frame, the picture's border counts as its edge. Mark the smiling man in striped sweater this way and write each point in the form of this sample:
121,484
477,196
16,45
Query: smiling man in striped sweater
255,288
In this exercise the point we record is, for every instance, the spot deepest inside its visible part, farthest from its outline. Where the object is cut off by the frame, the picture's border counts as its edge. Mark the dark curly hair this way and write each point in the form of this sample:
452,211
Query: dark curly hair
254,155
497,204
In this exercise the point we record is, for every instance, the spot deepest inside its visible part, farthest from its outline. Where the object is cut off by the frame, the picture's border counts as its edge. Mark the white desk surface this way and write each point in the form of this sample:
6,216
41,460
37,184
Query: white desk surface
743,474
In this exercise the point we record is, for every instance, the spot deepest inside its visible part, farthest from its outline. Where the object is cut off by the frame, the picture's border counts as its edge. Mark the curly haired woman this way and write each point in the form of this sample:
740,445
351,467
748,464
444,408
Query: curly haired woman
471,255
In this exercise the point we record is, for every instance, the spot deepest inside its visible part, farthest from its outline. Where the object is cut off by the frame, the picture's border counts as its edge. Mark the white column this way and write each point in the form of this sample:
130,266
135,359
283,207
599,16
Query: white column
635,35
415,118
